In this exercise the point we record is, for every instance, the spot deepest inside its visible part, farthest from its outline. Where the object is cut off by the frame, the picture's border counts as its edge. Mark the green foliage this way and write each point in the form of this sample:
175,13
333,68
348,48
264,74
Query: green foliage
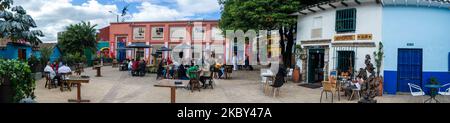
21,78
78,37
258,14
379,55
16,24
34,62
46,52
5,4
72,59
434,81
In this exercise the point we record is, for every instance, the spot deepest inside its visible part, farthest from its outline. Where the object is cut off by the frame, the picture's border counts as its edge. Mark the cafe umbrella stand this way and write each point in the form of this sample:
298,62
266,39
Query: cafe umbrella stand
135,46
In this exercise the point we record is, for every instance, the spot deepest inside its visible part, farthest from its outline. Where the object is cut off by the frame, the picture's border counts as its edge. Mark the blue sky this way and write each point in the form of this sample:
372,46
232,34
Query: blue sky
52,16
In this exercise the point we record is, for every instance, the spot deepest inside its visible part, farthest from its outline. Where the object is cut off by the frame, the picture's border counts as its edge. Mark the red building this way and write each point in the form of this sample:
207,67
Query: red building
200,35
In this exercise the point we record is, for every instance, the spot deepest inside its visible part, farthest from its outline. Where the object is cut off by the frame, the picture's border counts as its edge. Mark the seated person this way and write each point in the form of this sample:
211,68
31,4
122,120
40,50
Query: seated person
142,66
49,69
160,70
62,70
182,73
190,71
205,74
219,70
134,68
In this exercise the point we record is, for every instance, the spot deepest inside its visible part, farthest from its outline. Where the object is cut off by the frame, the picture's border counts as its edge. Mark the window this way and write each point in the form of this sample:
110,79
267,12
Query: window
157,33
346,20
316,32
198,33
217,34
177,33
139,33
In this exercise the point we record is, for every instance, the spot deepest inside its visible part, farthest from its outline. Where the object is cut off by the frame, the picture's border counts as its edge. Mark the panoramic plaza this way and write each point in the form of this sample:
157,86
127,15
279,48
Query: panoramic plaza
244,87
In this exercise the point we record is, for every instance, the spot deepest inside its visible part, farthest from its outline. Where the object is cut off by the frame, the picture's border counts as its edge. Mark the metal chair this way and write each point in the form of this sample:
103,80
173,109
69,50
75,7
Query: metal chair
447,91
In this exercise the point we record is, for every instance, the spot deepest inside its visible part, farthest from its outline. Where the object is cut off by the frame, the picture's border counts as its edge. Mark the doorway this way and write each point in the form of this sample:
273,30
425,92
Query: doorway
409,68
22,54
316,65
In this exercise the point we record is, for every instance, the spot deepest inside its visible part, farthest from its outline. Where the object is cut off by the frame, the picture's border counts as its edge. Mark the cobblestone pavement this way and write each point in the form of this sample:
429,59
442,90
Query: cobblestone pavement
119,87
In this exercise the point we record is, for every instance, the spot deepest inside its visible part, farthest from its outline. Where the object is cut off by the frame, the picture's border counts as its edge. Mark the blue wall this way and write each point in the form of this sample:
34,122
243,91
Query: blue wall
12,51
55,55
428,29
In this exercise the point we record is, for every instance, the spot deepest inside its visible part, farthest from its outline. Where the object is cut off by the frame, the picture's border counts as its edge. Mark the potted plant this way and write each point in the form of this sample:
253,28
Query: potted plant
379,55
299,55
17,82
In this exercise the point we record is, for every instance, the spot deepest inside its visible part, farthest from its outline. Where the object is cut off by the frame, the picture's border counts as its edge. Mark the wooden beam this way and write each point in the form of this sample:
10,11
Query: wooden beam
311,10
302,13
378,1
343,3
320,7
332,5
356,1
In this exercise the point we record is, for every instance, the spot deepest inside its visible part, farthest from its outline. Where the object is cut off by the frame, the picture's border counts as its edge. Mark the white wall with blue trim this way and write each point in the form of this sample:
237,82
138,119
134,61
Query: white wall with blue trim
426,28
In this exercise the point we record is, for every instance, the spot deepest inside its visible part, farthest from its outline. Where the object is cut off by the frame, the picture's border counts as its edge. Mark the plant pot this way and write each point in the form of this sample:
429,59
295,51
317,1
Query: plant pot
380,87
296,75
6,92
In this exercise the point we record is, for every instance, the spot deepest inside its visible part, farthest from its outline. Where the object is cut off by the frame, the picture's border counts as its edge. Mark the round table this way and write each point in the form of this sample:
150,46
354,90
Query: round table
433,92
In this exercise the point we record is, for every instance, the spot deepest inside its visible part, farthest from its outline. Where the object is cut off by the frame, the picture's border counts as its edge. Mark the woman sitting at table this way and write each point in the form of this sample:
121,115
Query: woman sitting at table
182,73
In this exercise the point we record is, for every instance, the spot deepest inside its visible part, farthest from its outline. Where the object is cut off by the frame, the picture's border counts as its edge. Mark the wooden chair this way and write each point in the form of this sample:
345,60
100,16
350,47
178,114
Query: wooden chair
50,83
228,71
195,82
64,83
328,87
210,81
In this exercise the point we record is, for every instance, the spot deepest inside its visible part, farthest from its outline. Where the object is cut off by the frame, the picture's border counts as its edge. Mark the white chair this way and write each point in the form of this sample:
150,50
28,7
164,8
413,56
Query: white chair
447,91
419,91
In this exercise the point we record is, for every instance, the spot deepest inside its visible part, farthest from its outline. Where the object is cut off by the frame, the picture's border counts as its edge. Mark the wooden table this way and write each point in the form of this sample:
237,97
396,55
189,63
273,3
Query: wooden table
171,84
99,72
77,80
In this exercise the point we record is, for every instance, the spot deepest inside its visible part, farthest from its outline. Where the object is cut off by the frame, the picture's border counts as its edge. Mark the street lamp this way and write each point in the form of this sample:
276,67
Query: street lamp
116,15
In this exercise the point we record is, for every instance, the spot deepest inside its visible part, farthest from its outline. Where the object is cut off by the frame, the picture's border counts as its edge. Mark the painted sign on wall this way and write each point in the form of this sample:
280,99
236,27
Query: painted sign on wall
344,38
364,36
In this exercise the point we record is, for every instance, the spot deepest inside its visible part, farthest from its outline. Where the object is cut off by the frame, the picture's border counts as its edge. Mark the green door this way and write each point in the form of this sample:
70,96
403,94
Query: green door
315,65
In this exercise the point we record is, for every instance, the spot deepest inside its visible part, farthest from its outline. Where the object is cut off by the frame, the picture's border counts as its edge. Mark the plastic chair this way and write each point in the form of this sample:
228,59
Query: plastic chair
415,87
446,92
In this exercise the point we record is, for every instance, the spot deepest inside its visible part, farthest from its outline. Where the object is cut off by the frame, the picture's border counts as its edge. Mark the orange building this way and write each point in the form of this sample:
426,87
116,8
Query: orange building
198,34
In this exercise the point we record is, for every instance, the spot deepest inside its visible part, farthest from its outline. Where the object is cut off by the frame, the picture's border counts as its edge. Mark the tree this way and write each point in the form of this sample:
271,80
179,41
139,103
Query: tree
264,15
5,4
78,37
16,24
46,52
379,58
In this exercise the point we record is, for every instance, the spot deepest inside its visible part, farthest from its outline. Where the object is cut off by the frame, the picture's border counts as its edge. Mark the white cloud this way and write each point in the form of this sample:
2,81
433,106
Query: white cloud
52,16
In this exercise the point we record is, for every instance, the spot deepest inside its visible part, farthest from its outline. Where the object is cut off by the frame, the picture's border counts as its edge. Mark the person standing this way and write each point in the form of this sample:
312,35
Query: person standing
234,62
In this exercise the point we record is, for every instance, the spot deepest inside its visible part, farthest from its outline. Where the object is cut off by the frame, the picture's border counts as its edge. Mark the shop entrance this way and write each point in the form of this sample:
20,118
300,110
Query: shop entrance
316,65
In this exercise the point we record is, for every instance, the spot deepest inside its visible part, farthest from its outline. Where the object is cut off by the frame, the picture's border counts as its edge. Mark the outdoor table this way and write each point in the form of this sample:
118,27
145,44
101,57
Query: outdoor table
98,67
433,92
171,84
77,80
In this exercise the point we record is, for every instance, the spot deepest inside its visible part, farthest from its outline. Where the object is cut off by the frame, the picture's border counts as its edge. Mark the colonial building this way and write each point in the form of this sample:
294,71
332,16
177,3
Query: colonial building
198,34
337,35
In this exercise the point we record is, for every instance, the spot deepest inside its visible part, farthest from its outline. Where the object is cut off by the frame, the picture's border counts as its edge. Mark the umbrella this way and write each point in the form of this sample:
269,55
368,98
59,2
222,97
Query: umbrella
164,49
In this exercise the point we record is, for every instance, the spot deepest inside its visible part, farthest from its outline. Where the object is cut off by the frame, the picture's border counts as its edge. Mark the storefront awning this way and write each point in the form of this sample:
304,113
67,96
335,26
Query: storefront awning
138,45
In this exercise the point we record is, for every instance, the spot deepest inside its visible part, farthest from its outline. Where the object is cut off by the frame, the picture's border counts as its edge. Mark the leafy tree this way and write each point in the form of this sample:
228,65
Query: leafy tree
78,37
46,52
264,15
5,4
16,24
